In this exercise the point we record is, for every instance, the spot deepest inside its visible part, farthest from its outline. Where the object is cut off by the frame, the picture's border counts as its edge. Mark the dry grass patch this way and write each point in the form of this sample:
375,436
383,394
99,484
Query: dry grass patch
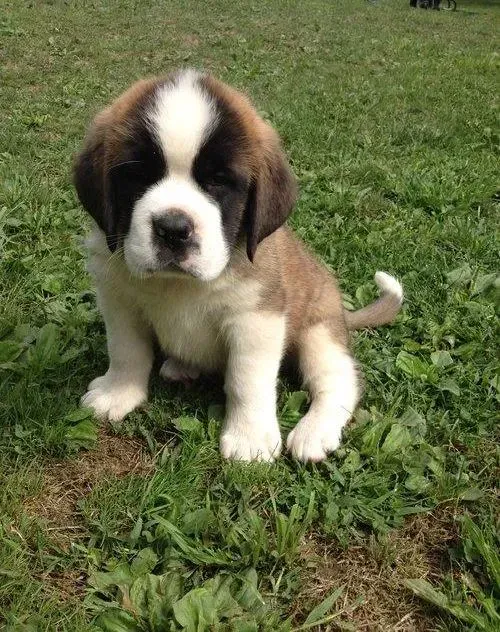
67,585
374,597
66,482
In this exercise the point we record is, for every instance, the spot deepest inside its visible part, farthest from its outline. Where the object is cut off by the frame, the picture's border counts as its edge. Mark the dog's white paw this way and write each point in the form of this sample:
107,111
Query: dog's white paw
112,399
174,370
313,438
244,441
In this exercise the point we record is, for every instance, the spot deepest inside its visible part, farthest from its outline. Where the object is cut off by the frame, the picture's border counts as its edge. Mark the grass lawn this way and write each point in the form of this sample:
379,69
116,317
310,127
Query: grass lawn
388,116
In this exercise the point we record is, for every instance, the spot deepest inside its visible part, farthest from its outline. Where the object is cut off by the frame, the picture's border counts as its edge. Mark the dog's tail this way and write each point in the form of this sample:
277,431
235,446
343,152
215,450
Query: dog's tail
382,311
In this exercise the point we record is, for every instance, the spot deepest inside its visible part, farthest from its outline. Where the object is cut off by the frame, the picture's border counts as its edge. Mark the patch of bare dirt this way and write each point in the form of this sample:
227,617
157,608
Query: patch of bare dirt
190,40
66,482
68,585
375,598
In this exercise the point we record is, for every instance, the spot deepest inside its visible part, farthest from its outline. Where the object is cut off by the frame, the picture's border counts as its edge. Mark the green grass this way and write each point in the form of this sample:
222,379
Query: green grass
388,115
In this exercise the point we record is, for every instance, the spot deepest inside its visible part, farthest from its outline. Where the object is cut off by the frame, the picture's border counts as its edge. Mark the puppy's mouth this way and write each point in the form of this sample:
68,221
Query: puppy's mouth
170,269
165,264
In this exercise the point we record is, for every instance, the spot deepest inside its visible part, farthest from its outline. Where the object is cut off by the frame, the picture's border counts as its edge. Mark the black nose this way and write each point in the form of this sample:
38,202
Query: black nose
174,228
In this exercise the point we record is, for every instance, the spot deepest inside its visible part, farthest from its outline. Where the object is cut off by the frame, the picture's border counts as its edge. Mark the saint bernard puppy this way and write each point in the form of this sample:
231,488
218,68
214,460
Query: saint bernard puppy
190,189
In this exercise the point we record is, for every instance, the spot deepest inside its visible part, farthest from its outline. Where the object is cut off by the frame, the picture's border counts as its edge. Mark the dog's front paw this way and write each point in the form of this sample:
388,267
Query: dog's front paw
313,438
112,399
244,441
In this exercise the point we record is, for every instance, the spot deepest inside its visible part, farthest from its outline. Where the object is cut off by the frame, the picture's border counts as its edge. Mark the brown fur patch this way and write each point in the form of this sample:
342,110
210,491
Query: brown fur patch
239,104
293,281
122,113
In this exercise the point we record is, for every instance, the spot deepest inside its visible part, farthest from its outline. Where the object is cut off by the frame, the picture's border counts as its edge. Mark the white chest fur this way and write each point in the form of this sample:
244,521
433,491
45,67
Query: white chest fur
187,320
189,317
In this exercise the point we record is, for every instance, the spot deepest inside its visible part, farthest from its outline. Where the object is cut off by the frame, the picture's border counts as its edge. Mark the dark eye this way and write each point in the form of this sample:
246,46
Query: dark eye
219,179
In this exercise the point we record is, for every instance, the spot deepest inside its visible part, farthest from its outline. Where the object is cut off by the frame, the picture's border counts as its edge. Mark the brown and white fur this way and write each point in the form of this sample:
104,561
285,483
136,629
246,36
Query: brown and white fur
190,189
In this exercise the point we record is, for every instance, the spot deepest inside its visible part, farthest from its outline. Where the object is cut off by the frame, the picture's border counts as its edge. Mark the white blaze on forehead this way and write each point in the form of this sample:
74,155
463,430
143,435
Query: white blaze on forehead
182,118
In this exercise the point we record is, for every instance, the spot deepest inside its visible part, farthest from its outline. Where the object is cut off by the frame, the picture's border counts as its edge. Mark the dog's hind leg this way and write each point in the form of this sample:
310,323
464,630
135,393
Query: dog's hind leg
329,373
174,370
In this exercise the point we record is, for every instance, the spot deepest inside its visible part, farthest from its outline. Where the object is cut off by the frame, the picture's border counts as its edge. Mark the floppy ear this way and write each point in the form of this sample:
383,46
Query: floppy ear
89,179
272,196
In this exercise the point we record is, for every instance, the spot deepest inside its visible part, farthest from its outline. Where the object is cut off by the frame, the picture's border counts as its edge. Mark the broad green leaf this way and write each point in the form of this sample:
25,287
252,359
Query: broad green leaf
226,606
72,353
364,293
362,416
119,576
415,367
411,345
435,466
397,440
296,401
20,432
495,382
144,562
459,276
473,493
373,435
136,531
26,333
324,607
449,384
467,350
153,596
248,596
114,620
441,359
244,625
79,414
292,410
417,483
424,589
198,521
10,350
196,611
161,594
15,367
348,302
170,588
483,282
52,285
413,419
83,434
331,512
352,461
138,597
190,550
47,342
188,424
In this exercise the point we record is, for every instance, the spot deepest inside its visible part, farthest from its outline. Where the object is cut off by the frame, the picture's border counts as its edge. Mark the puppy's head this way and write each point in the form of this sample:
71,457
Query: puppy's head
180,171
